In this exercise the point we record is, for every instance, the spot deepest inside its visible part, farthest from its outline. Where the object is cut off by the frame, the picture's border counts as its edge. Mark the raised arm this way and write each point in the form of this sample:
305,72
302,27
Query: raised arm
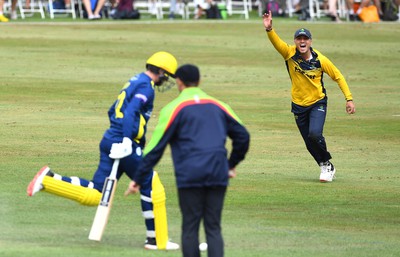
267,19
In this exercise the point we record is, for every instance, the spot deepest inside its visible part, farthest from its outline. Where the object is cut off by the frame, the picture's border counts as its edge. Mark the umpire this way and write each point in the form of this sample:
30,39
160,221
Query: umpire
196,126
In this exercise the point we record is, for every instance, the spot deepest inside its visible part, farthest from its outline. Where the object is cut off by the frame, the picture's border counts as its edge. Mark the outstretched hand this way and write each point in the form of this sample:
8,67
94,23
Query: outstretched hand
133,188
350,107
267,19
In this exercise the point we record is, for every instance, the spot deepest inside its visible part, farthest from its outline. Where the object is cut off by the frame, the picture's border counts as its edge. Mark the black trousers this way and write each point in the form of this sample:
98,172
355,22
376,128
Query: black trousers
311,125
205,204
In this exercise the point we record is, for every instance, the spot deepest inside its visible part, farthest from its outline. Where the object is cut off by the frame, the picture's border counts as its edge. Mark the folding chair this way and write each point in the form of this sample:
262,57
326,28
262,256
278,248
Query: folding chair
66,11
149,6
290,8
238,7
181,8
189,8
342,9
7,8
314,9
35,6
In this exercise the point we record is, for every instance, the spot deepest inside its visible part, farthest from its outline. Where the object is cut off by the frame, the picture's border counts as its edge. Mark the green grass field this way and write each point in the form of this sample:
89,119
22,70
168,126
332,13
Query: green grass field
59,79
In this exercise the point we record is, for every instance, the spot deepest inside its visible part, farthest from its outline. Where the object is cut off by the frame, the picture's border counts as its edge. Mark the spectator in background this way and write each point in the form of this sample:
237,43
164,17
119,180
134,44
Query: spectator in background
332,11
390,10
13,14
365,3
296,5
277,7
304,8
201,6
3,18
27,4
172,9
93,11
208,7
124,10
350,10
176,7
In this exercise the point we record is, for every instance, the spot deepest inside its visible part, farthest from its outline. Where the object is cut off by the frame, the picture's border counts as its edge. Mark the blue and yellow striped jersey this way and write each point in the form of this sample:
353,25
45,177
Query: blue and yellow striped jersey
131,111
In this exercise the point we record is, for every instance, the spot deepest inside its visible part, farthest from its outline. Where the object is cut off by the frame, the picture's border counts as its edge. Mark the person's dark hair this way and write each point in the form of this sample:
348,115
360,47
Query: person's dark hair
153,69
156,70
189,74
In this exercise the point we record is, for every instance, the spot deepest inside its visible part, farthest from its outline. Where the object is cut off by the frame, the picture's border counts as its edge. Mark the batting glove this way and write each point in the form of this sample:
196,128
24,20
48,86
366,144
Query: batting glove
121,150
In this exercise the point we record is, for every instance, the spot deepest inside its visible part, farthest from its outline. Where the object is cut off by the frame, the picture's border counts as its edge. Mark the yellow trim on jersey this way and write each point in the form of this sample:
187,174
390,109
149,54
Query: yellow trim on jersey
142,125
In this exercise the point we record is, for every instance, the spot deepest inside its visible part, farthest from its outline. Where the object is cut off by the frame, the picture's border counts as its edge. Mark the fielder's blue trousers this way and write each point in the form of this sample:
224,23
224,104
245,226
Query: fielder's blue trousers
310,122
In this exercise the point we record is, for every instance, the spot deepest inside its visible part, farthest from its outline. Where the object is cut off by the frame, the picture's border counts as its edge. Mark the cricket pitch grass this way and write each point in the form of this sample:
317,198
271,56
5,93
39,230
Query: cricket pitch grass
59,79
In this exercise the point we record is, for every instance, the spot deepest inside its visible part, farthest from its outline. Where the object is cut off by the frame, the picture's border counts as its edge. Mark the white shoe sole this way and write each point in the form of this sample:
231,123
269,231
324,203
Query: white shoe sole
170,247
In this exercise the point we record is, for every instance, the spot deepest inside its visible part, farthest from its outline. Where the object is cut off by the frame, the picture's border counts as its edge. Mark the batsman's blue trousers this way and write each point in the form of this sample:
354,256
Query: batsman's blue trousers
128,165
310,122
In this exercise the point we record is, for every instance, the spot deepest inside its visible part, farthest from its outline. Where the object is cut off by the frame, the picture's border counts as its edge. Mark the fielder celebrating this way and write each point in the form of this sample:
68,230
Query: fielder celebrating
306,67
124,140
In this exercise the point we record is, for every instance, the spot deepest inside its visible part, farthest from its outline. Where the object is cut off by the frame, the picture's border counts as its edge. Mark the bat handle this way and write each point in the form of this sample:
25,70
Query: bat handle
114,170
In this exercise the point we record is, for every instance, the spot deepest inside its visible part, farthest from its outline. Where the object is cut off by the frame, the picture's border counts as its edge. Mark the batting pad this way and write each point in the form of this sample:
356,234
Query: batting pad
160,212
83,195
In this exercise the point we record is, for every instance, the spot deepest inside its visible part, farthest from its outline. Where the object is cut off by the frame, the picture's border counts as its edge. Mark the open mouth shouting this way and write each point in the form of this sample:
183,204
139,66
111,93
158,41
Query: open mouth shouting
303,43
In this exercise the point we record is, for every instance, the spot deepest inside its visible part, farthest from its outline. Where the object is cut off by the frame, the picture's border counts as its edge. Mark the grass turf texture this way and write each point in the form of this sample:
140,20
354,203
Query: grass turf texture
59,79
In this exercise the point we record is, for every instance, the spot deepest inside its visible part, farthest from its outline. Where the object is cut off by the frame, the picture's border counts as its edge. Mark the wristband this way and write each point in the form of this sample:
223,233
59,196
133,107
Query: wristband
268,30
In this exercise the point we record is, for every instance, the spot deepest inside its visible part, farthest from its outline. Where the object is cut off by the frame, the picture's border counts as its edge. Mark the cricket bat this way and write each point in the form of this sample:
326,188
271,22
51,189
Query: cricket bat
103,210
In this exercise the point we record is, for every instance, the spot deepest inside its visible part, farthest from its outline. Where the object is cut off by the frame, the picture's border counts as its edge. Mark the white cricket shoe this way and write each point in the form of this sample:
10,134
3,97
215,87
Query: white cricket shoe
36,184
327,172
151,244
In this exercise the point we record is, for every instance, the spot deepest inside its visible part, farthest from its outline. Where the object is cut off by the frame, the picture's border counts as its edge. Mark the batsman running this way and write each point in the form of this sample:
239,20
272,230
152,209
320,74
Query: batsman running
306,67
124,140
